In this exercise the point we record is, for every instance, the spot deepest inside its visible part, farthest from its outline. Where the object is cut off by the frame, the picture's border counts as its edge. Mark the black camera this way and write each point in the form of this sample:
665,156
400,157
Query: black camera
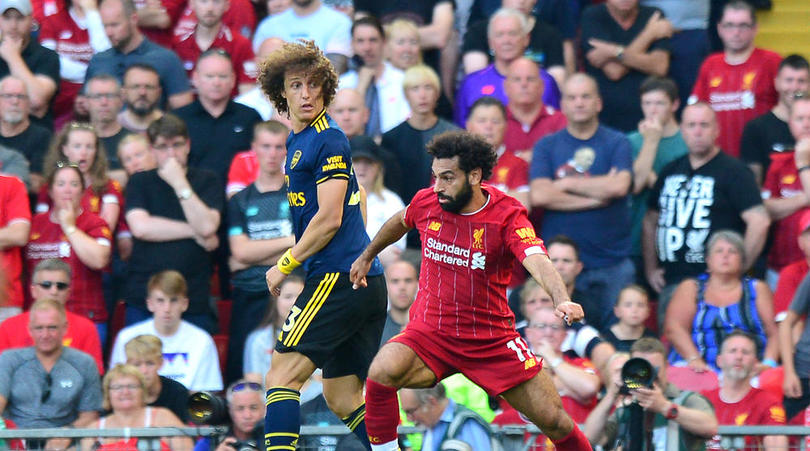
637,373
246,445
207,408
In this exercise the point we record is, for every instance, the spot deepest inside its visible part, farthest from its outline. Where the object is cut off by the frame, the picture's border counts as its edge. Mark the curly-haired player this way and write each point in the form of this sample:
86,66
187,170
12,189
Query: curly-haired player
330,326
461,322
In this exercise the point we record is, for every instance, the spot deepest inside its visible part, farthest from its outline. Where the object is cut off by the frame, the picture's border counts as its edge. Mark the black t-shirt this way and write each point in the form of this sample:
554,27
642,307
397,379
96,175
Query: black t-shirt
214,141
40,61
147,191
110,144
173,396
545,43
32,143
622,108
763,136
693,203
557,13
624,345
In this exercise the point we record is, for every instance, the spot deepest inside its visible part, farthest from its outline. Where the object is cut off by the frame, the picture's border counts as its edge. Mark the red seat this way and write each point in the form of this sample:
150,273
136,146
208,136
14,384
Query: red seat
221,341
224,316
652,320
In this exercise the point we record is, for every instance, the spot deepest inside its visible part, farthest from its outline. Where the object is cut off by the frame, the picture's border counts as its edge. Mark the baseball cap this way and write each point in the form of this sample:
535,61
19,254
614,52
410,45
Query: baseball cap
804,221
363,147
23,6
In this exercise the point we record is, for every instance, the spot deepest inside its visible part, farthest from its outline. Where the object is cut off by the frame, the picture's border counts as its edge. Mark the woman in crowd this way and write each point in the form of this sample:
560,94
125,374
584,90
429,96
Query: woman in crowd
79,144
704,310
76,235
145,352
402,44
125,396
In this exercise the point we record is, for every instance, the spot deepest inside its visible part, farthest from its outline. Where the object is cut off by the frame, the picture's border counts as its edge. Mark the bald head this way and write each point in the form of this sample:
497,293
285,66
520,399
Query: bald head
349,110
267,47
581,102
523,85
699,129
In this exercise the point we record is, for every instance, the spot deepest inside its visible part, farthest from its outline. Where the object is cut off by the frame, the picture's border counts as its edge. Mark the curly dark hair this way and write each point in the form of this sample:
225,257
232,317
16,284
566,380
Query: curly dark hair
472,151
303,56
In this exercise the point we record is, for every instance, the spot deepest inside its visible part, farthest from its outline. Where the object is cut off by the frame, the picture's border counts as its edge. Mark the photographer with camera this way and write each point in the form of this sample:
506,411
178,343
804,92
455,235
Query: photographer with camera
246,408
663,406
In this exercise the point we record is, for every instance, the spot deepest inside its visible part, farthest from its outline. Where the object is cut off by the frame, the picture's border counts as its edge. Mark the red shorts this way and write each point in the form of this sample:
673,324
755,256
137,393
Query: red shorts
496,364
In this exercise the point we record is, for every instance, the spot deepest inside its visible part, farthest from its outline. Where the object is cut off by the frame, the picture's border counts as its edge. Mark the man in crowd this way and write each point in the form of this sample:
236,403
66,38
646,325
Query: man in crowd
104,102
581,177
694,196
736,402
142,94
130,46
402,281
739,81
51,280
350,112
17,132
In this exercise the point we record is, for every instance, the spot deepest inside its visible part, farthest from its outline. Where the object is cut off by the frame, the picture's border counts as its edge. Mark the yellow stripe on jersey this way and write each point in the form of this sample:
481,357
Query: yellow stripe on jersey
317,118
313,306
321,125
281,434
331,176
353,425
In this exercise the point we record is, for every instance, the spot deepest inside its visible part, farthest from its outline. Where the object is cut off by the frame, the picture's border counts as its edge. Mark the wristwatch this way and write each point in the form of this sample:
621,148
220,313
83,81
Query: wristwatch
619,52
184,194
672,412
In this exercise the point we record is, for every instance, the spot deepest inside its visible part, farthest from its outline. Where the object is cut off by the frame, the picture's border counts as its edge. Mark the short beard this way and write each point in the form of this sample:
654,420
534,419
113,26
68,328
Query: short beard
142,111
13,118
461,200
737,374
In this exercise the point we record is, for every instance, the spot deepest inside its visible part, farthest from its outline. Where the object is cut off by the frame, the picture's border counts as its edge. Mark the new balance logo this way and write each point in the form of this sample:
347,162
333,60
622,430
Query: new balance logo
479,261
435,226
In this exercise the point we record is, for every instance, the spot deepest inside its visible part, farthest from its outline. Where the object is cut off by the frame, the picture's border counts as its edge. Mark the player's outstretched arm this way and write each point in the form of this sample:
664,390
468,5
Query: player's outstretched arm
541,269
390,233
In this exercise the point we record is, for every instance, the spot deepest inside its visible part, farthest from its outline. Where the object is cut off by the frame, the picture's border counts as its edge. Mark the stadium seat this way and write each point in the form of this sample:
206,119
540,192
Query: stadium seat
224,316
221,341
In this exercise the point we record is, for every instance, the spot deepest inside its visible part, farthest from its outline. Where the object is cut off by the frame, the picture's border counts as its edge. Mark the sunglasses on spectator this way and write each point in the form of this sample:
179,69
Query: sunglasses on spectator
46,392
47,284
252,386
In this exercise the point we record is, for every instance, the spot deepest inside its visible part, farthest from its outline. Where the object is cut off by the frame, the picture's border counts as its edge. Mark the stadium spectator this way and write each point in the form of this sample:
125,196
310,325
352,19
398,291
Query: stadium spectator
692,412
13,163
381,203
125,399
173,212
786,192
51,280
15,228
135,155
574,377
402,281
719,192
211,33
527,118
130,46
402,44
739,81
79,144
350,112
145,352
508,35
736,402
245,165
157,19
246,407
77,236
218,127
704,309
17,132
432,409
104,102
765,137
624,42
254,97
511,173
189,354
792,275
632,310
75,33
545,46
378,81
24,58
48,385
656,143
260,229
311,19
796,383
581,177
142,92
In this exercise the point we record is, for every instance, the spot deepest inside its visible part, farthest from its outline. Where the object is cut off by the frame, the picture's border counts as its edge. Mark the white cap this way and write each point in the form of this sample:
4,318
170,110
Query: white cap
23,6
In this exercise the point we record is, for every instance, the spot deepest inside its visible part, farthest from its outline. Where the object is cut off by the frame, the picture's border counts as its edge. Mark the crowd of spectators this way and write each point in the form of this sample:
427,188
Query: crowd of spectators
142,172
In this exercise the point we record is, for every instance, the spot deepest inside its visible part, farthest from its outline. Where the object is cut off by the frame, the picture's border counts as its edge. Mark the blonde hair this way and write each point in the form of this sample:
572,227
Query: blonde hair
144,346
49,304
170,282
119,371
129,139
419,73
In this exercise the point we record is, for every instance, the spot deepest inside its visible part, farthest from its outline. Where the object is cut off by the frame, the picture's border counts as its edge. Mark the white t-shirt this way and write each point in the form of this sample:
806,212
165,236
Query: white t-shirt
189,356
330,29
394,107
380,209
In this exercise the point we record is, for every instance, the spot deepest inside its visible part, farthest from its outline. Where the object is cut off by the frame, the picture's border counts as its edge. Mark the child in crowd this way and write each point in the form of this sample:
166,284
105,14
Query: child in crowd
632,309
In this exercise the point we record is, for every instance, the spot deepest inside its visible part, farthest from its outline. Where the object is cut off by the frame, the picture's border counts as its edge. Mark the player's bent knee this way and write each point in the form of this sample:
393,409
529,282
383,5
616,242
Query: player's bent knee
389,366
290,370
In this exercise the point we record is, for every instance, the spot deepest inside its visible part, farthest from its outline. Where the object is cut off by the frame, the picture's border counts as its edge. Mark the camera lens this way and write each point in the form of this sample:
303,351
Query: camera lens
637,373
205,408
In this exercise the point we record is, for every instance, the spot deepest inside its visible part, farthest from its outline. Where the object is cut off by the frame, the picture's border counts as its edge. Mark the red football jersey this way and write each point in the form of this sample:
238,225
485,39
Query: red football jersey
520,138
511,173
163,36
758,408
13,208
782,181
92,202
244,66
737,93
467,262
244,171
240,18
48,241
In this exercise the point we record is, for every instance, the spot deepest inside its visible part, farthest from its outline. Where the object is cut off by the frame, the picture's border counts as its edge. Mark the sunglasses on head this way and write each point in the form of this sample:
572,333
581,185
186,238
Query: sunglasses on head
253,386
61,286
